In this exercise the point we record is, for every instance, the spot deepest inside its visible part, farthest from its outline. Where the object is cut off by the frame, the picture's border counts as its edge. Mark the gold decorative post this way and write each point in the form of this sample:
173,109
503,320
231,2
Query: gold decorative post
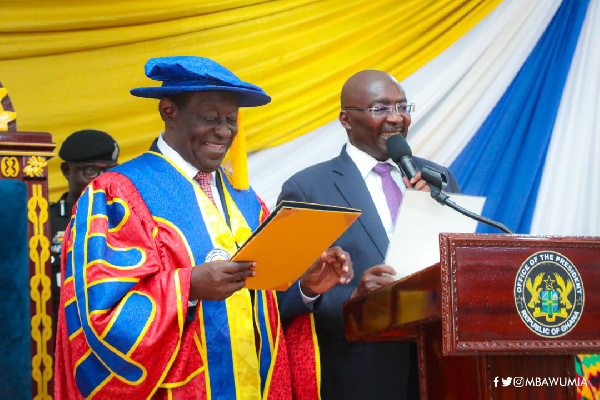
24,156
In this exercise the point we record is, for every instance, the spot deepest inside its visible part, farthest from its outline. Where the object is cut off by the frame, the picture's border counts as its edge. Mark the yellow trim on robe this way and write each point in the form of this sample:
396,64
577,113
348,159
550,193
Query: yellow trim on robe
245,359
317,353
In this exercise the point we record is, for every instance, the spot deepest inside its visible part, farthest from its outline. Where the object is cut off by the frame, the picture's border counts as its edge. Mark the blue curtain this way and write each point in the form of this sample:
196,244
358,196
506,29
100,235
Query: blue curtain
15,325
505,158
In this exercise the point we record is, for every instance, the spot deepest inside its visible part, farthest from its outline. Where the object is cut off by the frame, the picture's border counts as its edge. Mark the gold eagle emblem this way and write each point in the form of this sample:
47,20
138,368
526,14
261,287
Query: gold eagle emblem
534,290
564,290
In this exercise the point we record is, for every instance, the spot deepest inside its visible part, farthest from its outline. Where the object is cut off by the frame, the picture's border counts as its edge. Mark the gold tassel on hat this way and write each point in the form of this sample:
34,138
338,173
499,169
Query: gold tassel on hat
239,158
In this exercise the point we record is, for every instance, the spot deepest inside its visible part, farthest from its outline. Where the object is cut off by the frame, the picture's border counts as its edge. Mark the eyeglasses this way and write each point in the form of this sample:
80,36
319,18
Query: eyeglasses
385,111
92,171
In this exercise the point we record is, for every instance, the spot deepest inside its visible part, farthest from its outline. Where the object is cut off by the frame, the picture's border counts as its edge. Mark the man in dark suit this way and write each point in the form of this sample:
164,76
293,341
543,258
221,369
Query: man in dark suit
374,107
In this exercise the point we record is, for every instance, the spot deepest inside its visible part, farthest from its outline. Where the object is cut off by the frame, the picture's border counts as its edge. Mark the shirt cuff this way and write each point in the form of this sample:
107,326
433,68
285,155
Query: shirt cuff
308,301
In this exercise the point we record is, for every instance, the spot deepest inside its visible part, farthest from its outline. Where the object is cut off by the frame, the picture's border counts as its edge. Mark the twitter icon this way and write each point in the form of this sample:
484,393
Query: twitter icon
506,382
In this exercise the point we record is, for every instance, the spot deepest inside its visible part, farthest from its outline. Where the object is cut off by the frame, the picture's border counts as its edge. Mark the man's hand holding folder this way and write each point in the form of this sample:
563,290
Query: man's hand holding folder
333,267
290,239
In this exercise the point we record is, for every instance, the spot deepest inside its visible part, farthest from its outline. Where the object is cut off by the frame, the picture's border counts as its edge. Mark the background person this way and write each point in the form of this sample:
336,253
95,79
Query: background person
86,154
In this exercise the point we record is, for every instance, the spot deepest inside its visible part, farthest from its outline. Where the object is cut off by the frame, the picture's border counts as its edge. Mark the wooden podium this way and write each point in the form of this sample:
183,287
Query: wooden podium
495,307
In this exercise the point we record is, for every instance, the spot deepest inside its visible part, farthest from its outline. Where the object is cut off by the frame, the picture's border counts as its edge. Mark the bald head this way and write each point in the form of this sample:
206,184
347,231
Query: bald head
367,84
368,101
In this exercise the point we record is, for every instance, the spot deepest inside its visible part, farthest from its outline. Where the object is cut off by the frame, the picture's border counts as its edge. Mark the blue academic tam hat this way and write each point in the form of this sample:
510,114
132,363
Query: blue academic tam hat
197,74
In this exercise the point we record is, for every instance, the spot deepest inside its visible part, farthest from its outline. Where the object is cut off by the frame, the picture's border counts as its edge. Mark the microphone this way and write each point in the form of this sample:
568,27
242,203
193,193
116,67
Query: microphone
400,152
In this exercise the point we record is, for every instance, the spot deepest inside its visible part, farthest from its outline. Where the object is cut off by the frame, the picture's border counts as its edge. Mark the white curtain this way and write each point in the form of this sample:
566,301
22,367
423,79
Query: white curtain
568,201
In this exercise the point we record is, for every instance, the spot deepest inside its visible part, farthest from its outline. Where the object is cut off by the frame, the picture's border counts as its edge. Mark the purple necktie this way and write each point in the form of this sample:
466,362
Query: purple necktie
203,178
393,194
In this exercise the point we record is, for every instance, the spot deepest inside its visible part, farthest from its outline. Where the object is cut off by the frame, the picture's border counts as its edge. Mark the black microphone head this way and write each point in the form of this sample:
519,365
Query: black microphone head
397,147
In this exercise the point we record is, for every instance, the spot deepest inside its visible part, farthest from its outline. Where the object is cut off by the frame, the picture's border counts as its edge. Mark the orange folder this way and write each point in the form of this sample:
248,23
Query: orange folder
290,240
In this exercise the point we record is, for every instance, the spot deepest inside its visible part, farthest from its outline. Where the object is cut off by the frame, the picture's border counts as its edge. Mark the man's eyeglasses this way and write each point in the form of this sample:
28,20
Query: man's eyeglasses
385,111
92,171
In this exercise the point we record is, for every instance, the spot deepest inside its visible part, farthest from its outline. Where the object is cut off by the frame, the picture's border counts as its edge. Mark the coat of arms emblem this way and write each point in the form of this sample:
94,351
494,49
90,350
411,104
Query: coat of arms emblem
549,294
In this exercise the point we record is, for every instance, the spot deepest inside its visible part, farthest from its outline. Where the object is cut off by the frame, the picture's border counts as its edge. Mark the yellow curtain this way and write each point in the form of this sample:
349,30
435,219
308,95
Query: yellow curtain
70,65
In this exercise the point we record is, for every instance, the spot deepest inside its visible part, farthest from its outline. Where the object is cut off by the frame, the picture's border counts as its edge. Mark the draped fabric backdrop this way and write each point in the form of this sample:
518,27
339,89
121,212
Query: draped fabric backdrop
512,106
507,92
69,67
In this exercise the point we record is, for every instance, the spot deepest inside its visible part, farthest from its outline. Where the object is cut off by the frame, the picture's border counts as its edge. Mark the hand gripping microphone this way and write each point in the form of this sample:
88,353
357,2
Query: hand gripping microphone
400,152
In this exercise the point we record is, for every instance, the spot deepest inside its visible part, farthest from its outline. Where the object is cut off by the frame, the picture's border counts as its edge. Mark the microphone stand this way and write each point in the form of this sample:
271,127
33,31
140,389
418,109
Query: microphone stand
434,179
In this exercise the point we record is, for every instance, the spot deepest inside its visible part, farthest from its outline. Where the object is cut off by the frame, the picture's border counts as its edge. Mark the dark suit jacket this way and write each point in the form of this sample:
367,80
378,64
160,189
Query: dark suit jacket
352,370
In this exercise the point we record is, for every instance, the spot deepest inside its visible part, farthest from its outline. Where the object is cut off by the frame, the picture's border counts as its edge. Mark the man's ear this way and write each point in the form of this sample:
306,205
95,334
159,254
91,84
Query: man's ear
167,110
344,119
65,168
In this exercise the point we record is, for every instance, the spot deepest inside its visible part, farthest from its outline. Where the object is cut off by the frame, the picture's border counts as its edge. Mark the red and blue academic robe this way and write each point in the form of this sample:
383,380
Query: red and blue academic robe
124,327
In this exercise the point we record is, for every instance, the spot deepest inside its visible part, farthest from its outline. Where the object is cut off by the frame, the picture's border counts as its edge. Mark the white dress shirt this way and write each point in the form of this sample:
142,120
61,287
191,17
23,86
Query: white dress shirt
189,170
365,164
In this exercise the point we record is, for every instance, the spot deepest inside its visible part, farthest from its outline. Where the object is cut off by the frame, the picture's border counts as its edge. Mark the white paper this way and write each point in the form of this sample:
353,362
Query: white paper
415,242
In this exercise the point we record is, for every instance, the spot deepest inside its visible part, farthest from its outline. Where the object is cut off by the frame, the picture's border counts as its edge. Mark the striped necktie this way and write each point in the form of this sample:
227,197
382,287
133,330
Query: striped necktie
203,179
